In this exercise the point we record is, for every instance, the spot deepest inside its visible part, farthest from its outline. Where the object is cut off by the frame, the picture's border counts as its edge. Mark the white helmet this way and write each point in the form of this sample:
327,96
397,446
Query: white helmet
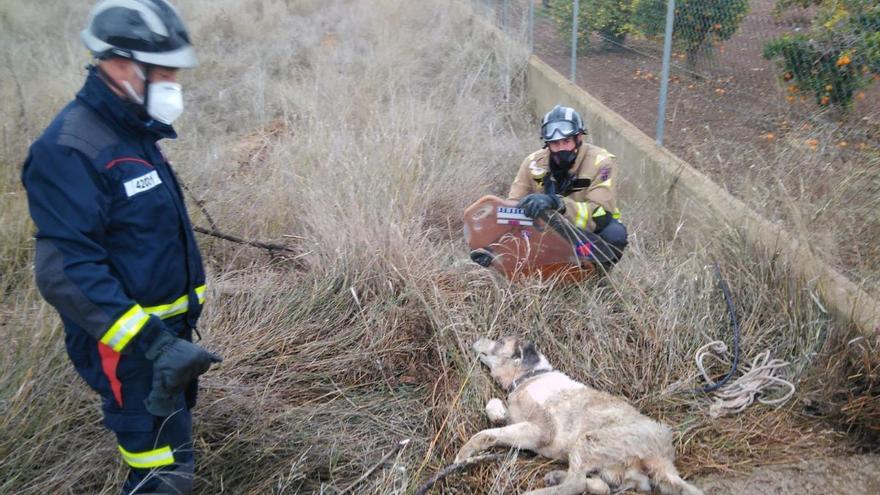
148,31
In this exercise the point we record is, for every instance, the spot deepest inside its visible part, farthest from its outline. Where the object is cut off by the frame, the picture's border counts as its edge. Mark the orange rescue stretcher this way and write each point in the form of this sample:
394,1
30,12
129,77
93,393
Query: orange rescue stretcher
522,246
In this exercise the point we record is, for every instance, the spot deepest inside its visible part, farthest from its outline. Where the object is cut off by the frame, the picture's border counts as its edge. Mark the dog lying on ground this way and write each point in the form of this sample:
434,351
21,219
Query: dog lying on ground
606,441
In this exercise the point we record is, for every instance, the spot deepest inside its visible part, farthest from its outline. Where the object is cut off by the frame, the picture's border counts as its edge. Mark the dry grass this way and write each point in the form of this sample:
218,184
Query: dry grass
819,177
356,132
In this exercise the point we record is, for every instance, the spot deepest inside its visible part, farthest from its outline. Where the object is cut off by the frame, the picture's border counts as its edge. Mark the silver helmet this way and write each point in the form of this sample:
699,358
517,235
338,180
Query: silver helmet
148,31
560,123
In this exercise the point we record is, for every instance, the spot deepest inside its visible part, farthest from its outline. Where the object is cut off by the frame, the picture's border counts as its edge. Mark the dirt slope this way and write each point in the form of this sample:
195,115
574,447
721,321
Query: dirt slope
838,475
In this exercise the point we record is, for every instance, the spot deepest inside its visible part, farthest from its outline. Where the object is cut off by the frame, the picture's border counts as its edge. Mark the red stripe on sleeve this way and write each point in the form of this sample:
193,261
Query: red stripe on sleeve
117,161
109,362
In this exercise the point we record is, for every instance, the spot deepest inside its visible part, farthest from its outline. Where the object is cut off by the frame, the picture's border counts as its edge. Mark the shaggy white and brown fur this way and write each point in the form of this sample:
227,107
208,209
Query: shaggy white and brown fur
606,441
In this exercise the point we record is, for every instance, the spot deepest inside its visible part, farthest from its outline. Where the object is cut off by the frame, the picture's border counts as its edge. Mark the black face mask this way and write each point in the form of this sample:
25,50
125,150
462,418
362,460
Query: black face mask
560,162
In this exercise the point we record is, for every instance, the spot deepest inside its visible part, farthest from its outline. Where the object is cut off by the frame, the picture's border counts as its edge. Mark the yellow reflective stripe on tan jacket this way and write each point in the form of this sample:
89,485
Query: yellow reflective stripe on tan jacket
582,215
601,155
600,212
149,459
607,184
125,328
178,307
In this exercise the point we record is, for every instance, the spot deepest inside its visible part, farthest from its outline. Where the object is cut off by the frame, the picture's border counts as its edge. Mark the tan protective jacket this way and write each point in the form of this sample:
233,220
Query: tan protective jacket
593,193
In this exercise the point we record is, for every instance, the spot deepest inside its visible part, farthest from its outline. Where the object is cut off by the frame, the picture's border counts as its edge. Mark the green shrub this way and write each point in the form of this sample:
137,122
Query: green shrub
826,72
840,55
698,23
609,18
649,17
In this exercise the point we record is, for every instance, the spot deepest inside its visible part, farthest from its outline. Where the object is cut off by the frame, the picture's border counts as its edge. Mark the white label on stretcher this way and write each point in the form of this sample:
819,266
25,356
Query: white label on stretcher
505,221
511,216
142,183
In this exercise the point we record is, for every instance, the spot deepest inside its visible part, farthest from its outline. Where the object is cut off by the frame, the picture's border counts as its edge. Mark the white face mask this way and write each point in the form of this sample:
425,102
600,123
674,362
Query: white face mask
164,99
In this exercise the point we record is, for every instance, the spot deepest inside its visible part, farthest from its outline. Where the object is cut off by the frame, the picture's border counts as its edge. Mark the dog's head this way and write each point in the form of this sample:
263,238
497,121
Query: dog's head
509,358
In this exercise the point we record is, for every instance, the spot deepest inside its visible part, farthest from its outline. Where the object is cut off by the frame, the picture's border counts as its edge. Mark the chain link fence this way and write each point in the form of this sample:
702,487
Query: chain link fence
732,63
776,100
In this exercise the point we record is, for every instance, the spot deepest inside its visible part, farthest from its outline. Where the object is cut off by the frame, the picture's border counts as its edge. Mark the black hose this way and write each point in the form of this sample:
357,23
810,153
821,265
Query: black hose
732,312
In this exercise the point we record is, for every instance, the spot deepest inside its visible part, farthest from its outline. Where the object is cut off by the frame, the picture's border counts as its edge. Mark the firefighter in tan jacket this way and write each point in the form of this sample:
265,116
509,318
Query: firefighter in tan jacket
575,179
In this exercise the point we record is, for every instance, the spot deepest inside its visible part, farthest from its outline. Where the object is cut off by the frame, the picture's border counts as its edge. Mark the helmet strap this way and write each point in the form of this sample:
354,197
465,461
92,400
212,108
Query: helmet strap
139,72
134,101
123,87
129,90
132,94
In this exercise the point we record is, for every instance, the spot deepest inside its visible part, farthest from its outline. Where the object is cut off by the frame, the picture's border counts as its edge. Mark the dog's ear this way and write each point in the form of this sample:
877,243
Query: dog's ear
530,356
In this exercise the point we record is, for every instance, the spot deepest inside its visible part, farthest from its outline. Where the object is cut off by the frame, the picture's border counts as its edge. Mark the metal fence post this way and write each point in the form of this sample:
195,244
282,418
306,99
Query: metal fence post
574,40
664,78
531,26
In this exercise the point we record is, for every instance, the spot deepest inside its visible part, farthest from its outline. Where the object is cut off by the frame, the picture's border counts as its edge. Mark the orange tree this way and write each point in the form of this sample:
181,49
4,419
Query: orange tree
608,18
697,26
839,55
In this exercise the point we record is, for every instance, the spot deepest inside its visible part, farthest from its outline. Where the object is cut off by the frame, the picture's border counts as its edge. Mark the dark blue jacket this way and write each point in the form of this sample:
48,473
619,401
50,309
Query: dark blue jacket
115,251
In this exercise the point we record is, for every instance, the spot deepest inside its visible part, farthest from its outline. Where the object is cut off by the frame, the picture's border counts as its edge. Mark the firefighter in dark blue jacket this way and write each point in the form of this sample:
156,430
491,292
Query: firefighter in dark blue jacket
115,251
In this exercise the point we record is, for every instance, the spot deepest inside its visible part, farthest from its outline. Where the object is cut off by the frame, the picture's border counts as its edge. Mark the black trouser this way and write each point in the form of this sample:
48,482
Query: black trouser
609,242
604,247
158,450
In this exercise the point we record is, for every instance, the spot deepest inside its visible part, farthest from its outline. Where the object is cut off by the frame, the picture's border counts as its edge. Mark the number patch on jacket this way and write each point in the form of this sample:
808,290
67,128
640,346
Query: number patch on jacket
142,183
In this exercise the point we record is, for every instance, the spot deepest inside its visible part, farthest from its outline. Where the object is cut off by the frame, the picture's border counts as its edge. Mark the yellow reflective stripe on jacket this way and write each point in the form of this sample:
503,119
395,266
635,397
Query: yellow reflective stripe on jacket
601,212
125,328
149,459
582,214
178,307
601,156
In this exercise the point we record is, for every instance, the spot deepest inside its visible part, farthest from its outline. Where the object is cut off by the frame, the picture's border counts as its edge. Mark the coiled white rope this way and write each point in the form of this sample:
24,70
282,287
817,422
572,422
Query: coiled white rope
757,382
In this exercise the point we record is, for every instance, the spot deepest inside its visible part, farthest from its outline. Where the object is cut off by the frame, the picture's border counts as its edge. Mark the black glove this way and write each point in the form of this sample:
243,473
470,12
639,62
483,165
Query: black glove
482,257
176,362
535,203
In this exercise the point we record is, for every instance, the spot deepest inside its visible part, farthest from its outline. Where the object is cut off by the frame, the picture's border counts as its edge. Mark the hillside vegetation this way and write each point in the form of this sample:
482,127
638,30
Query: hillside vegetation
355,132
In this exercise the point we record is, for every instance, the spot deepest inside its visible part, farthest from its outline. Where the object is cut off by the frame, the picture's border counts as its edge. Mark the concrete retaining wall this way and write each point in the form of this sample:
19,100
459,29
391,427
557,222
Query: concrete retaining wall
646,163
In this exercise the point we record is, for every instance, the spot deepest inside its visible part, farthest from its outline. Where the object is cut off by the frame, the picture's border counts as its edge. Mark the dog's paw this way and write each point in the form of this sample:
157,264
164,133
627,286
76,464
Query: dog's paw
466,451
477,443
496,411
596,486
555,477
